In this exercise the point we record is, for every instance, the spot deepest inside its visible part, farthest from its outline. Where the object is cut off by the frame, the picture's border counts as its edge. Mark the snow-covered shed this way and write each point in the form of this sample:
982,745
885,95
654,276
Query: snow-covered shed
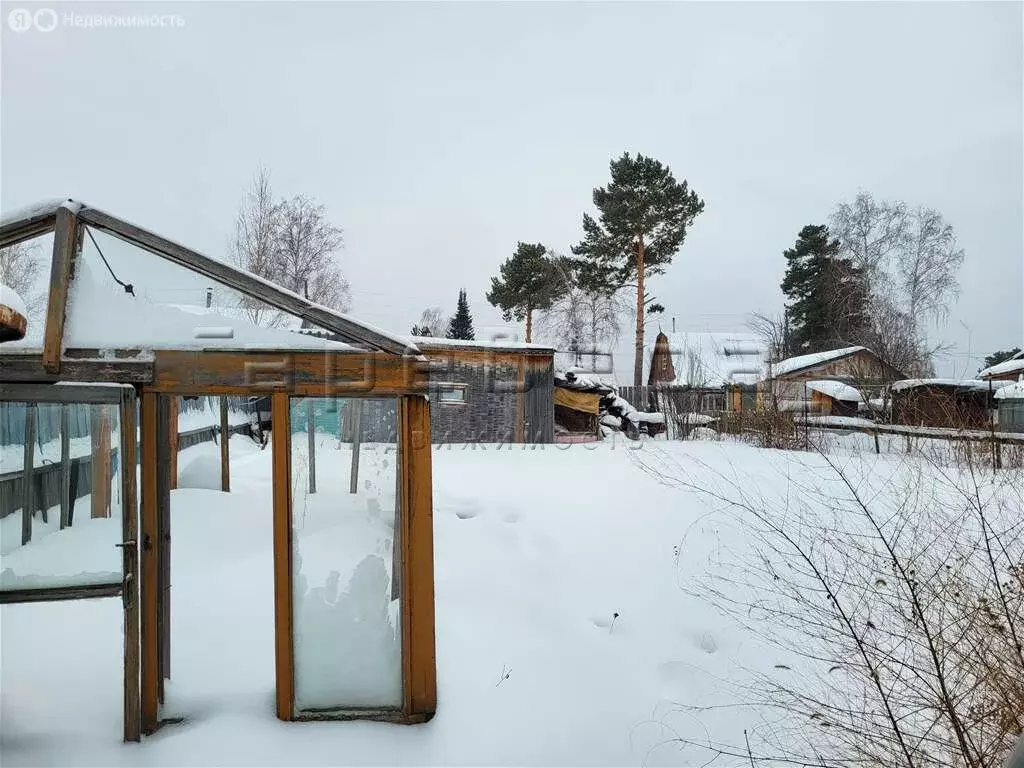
353,598
1008,370
938,402
785,383
484,391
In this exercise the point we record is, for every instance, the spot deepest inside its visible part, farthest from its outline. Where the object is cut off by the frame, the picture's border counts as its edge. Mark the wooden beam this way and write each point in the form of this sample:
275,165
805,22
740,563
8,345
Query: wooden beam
311,442
100,438
150,591
65,238
417,541
130,548
50,594
357,439
56,393
34,222
284,650
65,465
302,374
225,453
28,469
246,283
29,368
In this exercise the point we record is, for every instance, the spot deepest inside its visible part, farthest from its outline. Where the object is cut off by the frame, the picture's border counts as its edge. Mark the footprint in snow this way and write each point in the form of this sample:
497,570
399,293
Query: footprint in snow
467,511
707,643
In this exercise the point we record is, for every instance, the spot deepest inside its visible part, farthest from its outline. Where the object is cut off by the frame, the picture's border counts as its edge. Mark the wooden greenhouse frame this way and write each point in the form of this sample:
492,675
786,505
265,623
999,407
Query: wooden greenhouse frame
375,364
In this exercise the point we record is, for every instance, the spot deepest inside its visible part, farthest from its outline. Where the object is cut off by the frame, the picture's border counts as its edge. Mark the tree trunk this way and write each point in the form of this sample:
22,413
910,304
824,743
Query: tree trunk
638,362
529,324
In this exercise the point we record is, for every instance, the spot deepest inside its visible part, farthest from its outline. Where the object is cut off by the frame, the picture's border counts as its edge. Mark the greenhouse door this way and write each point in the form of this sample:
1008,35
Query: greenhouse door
158,456
75,494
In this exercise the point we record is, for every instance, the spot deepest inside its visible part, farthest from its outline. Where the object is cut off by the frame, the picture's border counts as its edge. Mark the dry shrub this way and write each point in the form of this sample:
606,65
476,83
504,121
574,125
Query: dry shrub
897,585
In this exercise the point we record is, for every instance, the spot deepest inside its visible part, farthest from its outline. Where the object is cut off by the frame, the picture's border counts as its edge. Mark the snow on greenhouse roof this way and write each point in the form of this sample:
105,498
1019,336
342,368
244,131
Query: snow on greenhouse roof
836,390
36,210
799,363
102,317
35,219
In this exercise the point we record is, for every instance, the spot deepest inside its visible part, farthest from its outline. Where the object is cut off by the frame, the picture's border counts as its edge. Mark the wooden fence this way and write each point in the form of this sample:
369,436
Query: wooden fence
46,479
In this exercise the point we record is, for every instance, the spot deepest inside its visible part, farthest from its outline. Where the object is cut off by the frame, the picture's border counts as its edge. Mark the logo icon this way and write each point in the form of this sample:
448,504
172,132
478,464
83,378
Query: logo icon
20,20
45,19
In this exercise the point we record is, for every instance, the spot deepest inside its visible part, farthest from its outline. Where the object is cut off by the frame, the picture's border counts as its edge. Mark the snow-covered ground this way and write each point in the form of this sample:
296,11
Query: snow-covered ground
566,634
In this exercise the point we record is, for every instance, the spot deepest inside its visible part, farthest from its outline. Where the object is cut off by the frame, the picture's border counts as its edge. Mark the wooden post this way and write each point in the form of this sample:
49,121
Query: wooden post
225,457
100,434
130,549
877,447
149,583
28,472
65,465
173,409
284,659
311,442
357,436
419,669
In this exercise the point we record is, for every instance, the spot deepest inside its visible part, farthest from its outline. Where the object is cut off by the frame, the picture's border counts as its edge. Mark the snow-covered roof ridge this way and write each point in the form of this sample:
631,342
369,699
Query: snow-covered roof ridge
428,342
1014,364
967,384
800,362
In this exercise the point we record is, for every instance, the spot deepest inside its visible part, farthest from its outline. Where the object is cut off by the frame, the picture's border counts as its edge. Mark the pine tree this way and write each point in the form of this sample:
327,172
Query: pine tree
643,217
461,324
827,295
528,282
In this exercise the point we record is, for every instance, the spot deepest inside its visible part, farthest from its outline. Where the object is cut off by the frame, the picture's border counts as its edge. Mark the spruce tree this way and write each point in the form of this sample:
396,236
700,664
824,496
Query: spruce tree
461,324
528,282
827,294
643,215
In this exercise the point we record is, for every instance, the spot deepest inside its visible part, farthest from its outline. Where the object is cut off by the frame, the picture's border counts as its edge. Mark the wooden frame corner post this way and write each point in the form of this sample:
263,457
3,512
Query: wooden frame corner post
130,547
284,650
419,662
65,245
150,542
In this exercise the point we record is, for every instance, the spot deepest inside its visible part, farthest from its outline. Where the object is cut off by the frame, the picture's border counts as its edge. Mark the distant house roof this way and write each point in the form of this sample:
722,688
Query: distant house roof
976,385
1013,365
497,344
802,362
837,390
698,359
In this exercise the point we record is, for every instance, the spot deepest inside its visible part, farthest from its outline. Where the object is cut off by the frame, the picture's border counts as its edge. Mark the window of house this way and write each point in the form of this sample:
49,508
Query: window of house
452,393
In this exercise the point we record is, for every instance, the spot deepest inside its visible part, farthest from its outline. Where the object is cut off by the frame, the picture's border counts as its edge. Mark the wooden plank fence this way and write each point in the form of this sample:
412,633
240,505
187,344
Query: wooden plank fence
47,479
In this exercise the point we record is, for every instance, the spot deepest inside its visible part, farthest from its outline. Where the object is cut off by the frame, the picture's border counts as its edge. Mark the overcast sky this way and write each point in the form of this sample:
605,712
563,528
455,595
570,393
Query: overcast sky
438,135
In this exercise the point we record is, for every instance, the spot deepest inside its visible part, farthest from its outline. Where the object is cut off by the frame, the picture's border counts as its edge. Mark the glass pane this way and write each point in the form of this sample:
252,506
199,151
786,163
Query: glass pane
25,268
169,306
42,548
348,650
